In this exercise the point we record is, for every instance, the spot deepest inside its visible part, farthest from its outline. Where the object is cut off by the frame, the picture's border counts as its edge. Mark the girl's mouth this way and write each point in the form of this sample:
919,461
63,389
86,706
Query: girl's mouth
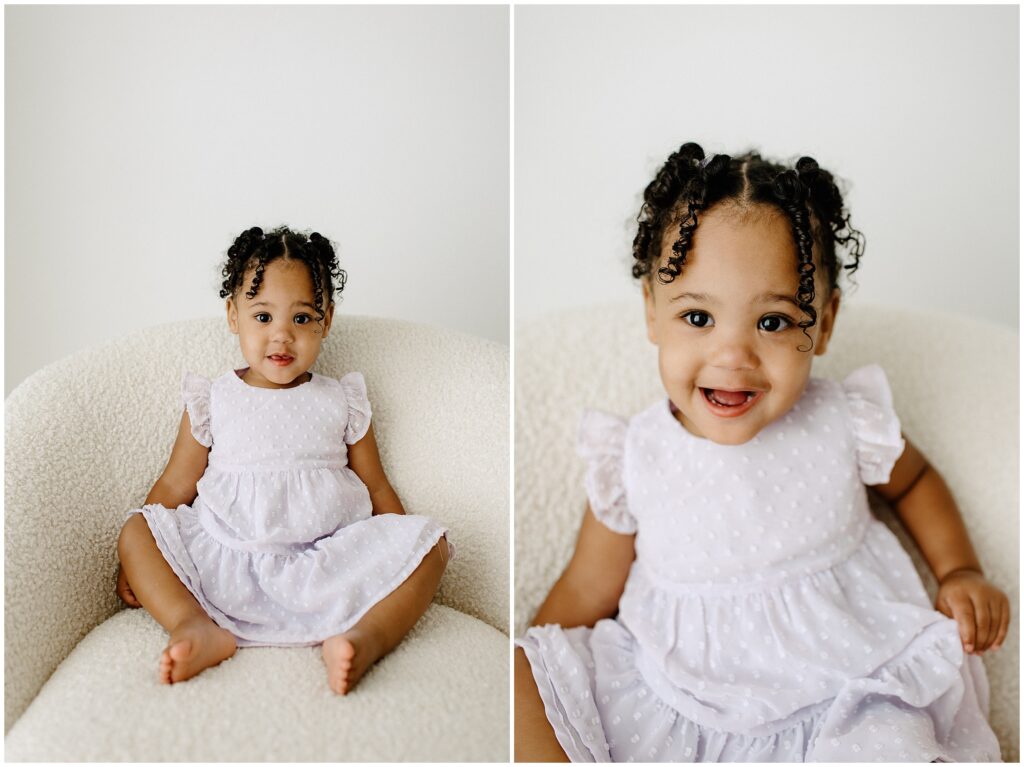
281,359
729,404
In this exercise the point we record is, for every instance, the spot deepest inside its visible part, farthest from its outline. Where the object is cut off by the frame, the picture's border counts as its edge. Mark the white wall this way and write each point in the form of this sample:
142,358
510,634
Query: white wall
917,106
141,140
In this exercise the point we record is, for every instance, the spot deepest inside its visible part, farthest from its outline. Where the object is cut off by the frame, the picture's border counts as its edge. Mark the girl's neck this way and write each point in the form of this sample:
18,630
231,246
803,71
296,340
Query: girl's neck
246,371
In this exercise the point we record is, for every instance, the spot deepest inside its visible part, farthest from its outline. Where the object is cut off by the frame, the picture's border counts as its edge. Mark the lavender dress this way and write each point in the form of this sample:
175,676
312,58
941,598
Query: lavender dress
280,547
768,615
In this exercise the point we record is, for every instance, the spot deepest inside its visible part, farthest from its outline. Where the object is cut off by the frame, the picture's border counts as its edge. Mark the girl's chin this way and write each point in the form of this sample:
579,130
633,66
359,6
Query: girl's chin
721,431
731,439
279,377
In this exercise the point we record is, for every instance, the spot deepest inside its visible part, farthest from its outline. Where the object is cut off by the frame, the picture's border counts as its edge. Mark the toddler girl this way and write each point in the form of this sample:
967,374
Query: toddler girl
731,597
273,522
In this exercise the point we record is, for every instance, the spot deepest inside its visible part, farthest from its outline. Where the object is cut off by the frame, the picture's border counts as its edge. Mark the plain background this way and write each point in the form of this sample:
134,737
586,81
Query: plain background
141,140
917,107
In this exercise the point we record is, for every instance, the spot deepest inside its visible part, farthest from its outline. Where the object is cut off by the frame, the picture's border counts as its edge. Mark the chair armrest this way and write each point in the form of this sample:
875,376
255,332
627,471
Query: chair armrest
59,557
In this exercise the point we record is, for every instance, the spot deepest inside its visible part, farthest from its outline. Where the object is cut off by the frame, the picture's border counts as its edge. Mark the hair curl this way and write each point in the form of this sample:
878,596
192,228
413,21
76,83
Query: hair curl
253,249
689,183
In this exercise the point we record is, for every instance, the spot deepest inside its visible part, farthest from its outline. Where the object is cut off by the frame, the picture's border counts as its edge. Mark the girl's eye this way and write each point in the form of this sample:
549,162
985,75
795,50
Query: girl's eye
263,317
698,319
302,319
773,323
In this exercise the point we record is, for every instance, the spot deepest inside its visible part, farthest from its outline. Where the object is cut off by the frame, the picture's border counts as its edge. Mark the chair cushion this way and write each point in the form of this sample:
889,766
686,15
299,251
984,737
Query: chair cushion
104,703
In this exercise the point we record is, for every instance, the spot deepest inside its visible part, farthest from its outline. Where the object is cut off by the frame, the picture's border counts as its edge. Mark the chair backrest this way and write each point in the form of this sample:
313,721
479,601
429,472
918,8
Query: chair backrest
955,386
88,435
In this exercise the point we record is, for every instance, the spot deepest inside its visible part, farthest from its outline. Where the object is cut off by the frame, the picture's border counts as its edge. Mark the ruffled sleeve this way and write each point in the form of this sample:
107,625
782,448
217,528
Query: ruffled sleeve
195,394
601,443
876,426
358,407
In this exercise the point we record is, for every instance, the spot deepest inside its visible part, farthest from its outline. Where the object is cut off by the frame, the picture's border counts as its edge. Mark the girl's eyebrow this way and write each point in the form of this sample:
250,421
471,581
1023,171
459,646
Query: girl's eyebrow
773,297
764,298
694,296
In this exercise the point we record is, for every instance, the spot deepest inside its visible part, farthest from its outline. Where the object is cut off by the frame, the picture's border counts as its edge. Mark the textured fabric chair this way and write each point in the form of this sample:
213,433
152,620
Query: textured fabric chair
87,436
955,385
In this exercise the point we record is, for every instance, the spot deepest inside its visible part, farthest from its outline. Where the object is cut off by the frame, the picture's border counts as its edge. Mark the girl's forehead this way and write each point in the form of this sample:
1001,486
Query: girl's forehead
741,245
729,220
726,243
280,278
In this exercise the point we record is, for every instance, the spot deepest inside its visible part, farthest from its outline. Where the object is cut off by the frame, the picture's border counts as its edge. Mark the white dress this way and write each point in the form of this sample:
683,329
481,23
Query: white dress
280,546
768,615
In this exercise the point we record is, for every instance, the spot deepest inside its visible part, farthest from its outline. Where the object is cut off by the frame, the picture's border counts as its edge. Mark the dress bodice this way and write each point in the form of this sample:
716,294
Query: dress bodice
790,500
278,474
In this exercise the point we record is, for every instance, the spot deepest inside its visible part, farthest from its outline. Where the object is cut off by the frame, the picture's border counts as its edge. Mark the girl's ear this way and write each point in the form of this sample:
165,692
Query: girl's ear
328,316
652,335
232,311
828,323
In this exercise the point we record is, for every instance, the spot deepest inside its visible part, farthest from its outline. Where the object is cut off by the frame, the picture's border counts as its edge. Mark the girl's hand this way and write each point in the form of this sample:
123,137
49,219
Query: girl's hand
981,611
124,590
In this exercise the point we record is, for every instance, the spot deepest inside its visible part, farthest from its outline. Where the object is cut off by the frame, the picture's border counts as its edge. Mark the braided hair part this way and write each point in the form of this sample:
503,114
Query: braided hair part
253,249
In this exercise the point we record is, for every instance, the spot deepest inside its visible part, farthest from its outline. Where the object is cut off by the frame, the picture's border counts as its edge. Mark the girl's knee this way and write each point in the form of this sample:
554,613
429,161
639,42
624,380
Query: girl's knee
134,529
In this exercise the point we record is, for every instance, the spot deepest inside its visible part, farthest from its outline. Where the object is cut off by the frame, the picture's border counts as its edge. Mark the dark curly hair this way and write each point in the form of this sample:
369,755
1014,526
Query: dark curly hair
689,184
253,249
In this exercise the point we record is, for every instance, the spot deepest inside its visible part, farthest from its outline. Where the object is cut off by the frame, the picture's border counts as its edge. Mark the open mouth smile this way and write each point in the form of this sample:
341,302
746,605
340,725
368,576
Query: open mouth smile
729,404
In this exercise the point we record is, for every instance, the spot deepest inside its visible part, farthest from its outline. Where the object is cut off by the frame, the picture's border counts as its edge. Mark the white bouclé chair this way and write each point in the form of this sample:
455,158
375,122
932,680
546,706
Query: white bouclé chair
85,439
955,386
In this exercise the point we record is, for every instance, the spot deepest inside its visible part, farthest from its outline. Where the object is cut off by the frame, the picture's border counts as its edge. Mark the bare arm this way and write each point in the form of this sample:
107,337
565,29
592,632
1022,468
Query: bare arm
927,509
591,585
364,459
929,512
185,467
175,486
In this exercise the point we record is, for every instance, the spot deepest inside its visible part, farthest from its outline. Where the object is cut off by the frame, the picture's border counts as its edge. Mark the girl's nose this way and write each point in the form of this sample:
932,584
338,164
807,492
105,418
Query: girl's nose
734,351
282,331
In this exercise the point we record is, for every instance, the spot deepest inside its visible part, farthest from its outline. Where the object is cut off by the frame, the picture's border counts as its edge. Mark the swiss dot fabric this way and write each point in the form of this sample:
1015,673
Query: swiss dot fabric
280,547
768,616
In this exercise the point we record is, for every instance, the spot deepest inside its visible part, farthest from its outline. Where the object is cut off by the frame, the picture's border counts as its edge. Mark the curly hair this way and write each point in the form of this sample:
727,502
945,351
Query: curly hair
253,249
689,184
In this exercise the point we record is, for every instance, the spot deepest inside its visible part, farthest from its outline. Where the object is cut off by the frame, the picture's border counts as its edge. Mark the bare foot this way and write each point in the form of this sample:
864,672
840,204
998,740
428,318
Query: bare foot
195,644
348,656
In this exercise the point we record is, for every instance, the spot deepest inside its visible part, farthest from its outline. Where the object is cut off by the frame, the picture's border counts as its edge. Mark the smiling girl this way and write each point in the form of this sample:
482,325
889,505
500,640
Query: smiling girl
731,596
274,522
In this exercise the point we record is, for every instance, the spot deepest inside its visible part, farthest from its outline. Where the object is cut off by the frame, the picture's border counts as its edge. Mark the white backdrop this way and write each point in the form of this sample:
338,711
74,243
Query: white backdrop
141,140
916,106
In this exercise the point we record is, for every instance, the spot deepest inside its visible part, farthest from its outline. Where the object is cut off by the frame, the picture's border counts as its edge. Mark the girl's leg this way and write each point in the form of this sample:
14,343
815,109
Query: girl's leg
535,741
348,655
196,642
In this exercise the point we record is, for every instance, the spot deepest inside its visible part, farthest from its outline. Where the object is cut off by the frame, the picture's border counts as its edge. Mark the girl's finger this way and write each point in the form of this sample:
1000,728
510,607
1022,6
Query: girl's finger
131,599
993,626
1004,624
996,611
124,589
988,624
963,613
983,619
982,622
